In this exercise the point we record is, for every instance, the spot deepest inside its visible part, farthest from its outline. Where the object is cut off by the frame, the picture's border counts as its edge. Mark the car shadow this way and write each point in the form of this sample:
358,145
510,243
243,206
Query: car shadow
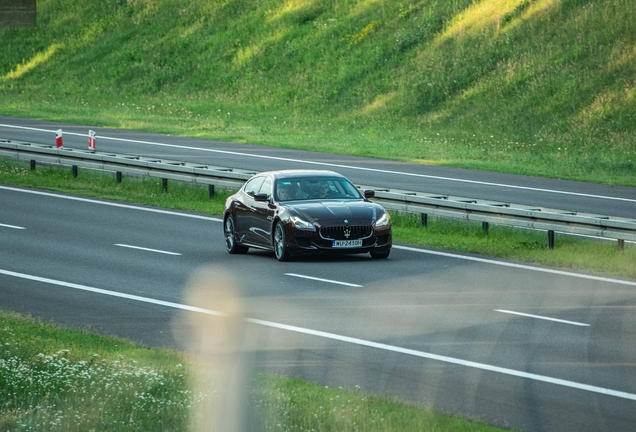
319,257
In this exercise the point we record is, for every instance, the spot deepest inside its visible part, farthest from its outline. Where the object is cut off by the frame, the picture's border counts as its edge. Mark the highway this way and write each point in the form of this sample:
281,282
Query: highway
514,345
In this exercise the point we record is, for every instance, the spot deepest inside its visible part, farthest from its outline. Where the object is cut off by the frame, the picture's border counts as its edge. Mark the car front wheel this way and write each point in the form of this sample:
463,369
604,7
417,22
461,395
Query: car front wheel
230,237
280,249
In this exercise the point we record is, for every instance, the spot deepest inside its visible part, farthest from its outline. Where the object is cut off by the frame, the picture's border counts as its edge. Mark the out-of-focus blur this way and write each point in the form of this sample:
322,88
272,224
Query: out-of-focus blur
216,340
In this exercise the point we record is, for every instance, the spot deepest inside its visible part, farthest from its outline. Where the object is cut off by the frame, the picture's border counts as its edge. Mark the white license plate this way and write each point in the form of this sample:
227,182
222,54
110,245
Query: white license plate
347,243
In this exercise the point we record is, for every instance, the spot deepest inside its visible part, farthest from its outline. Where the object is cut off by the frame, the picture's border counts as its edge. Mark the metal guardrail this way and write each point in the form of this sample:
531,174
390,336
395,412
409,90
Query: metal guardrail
127,164
516,215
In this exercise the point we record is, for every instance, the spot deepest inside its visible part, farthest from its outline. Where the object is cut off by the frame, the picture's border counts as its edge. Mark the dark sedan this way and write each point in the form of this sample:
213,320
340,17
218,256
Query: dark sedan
305,211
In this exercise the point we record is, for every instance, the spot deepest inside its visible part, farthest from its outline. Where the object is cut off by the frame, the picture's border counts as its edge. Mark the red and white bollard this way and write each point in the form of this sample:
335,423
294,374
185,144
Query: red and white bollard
58,139
91,140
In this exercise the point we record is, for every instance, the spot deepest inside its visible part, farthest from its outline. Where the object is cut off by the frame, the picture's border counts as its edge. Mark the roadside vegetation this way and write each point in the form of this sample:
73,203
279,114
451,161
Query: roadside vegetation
576,253
55,379
536,87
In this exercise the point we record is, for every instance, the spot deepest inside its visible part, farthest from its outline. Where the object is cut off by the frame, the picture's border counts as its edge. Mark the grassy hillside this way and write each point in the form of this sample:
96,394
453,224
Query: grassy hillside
541,87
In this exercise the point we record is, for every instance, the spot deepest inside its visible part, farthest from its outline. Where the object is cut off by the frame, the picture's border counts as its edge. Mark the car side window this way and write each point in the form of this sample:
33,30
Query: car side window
266,187
252,187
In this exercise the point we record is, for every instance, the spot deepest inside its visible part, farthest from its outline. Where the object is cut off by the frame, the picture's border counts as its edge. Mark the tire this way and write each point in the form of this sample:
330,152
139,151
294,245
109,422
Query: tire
230,237
280,249
381,254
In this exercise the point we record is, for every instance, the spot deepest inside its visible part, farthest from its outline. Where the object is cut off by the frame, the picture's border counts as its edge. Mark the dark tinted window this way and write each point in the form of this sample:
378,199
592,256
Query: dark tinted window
315,188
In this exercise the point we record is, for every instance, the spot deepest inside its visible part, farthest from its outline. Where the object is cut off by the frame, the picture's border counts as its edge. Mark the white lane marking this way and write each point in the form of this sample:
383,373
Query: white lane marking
108,292
341,338
112,204
300,161
542,317
26,128
515,265
12,226
146,249
323,280
406,248
451,360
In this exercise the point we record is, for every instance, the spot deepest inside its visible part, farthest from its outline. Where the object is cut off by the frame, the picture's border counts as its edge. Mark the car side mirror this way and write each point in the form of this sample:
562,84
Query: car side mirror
369,193
261,197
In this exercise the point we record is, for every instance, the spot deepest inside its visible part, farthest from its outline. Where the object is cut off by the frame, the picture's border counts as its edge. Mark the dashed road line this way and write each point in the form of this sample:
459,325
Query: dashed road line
12,226
146,249
323,280
542,317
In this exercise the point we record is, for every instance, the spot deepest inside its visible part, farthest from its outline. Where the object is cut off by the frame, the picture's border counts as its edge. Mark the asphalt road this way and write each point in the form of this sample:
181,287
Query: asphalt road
518,346
534,191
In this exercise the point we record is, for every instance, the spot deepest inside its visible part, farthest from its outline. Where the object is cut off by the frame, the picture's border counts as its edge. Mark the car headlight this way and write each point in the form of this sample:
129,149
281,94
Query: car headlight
383,221
301,224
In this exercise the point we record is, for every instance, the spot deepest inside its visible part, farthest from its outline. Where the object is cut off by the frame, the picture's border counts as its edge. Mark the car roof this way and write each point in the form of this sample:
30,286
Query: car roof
283,174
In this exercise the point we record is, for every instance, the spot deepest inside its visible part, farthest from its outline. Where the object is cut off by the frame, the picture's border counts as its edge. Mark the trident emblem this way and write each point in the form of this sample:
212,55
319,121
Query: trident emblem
347,232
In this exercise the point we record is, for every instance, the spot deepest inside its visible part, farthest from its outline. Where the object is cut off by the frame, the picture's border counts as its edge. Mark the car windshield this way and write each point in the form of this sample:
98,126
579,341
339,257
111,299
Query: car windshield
307,188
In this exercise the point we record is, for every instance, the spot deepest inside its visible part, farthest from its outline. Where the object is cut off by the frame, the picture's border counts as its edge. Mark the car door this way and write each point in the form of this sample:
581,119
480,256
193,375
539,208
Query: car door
245,208
263,215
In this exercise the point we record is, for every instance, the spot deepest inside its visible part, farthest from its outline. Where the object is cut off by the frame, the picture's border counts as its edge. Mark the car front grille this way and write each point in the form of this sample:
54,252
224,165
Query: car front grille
346,232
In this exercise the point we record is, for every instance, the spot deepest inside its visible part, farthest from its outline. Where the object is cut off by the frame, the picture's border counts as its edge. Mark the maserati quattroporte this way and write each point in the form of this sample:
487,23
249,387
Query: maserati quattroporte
296,212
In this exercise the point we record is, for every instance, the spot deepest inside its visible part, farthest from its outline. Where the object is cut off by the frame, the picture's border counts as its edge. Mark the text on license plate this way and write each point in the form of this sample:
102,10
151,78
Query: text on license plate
347,243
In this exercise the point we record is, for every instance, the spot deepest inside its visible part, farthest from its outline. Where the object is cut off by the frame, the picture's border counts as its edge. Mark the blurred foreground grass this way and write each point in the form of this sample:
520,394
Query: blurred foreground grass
56,379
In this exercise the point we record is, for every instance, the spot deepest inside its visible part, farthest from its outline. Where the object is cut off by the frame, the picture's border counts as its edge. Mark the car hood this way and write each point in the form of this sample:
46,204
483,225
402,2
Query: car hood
322,212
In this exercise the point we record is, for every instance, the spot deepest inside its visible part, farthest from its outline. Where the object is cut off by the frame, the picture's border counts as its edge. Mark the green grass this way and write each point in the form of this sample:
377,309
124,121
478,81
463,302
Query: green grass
53,379
537,87
529,246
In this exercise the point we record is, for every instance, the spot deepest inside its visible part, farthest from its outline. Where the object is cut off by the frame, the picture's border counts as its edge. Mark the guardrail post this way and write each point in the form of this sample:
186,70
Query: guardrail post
424,220
164,184
621,244
211,191
59,140
550,239
91,140
484,227
118,176
74,169
32,164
